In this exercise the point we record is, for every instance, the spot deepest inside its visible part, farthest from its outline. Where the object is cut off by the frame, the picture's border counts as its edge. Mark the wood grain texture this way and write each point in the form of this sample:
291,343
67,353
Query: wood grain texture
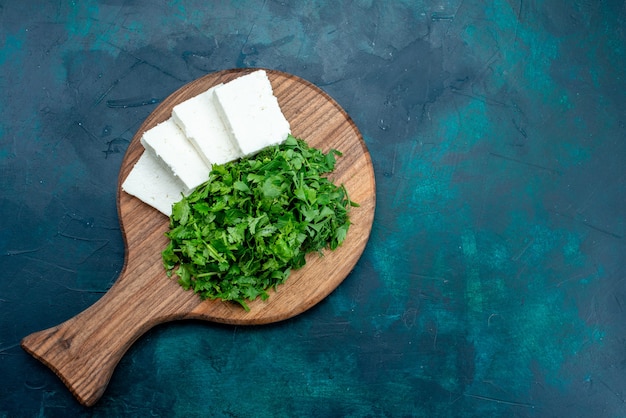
84,350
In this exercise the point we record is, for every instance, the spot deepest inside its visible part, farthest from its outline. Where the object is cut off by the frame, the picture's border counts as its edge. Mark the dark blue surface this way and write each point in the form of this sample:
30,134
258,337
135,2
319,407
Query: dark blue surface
494,280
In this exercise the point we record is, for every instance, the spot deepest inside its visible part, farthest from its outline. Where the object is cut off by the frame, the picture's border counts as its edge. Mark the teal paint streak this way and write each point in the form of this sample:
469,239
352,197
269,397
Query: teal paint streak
92,26
81,18
508,333
525,330
12,48
427,200
4,151
178,8
513,49
500,261
251,365
605,52
12,57
72,173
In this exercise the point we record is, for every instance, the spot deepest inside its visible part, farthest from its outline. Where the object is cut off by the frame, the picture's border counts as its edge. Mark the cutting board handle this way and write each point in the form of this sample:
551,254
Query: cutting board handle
84,350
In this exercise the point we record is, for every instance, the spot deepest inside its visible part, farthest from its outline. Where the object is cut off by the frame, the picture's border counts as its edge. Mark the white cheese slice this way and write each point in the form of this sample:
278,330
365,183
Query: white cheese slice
168,143
153,184
251,112
198,119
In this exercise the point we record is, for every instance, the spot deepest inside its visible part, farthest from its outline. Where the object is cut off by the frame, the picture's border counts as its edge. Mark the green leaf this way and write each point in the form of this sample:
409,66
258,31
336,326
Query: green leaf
180,211
326,211
271,188
241,186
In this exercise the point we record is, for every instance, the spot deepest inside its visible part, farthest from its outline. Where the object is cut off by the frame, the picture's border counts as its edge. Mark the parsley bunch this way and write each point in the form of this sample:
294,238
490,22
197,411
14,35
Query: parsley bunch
242,232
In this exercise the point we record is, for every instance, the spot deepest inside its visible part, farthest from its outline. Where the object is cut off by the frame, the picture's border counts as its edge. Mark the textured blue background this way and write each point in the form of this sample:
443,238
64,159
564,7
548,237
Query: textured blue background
494,282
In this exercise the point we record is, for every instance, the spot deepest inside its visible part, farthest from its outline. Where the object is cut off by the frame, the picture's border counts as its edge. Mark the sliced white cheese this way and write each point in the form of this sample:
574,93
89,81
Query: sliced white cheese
168,143
198,119
251,112
153,184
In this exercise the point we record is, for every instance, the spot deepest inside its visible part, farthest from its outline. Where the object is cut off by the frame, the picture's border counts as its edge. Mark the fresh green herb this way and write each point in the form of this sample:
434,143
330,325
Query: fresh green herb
241,233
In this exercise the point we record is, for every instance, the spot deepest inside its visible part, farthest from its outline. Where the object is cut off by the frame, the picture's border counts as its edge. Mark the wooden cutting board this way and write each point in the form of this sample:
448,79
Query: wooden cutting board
84,350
